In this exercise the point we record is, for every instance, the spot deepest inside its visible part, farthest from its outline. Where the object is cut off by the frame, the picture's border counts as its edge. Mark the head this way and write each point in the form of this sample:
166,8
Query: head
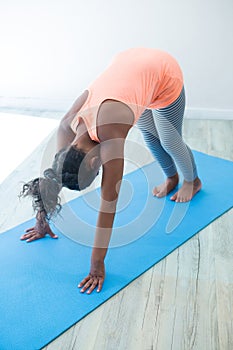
71,168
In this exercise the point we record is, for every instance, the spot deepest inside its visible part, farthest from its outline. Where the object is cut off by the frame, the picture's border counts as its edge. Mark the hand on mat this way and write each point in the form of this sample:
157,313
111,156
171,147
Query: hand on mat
95,279
38,231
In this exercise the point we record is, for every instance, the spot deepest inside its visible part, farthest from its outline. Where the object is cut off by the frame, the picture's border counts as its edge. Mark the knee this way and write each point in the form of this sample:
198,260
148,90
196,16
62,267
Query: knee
169,145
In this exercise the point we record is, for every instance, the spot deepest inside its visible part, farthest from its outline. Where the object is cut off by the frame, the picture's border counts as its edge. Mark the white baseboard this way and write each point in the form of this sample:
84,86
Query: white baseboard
206,113
55,108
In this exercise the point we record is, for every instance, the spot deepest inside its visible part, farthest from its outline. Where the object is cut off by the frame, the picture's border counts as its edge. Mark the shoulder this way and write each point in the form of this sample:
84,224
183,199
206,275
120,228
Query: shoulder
114,120
77,105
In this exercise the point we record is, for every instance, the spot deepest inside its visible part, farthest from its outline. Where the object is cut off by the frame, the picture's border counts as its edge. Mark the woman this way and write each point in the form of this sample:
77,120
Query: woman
140,85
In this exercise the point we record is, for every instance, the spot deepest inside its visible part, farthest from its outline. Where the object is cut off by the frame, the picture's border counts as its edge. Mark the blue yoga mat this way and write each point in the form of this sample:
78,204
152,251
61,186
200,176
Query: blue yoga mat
39,298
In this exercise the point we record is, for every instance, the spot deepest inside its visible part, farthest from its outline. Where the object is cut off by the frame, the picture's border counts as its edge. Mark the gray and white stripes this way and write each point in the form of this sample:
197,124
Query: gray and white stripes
162,131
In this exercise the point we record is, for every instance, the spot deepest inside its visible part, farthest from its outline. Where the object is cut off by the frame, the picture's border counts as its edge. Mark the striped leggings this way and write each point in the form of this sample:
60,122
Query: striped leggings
162,131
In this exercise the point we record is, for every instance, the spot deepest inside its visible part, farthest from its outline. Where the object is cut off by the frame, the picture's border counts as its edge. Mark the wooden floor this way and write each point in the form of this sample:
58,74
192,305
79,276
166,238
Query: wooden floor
185,302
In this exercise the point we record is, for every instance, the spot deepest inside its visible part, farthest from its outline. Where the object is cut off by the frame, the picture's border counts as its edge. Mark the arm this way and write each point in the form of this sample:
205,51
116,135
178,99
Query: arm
65,134
112,155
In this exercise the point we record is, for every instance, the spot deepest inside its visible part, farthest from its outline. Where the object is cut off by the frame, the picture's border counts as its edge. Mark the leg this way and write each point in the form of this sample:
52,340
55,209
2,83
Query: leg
169,122
147,127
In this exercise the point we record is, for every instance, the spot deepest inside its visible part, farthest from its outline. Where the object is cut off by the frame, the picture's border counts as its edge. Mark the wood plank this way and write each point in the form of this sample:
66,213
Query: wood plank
184,302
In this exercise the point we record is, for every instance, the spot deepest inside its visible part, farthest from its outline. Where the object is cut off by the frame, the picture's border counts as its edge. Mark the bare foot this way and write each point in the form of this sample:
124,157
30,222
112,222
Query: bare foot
165,188
187,191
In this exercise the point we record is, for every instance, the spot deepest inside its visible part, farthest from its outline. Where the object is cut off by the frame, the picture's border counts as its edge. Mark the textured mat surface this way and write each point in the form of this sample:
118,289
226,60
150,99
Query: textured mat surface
39,298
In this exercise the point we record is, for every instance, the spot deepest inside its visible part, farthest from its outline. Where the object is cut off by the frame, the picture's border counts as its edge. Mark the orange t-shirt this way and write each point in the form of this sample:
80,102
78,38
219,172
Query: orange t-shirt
142,78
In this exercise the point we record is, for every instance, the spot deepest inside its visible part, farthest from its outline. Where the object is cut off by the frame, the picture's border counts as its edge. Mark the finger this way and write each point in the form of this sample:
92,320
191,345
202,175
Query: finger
30,229
83,281
33,238
87,285
50,232
100,284
92,287
27,235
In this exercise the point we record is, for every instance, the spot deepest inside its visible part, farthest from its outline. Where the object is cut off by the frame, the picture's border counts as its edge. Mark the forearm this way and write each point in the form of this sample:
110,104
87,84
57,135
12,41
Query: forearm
103,235
65,136
112,155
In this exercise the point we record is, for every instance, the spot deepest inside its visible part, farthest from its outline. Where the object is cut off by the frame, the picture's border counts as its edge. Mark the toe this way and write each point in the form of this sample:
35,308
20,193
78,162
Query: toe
155,191
174,197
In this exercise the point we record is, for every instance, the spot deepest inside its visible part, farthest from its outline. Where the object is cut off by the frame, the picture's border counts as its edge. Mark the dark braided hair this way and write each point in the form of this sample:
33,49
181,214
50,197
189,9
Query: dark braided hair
64,173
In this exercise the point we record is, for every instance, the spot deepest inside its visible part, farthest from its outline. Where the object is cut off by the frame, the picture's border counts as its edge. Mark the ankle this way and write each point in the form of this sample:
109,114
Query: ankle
174,177
193,182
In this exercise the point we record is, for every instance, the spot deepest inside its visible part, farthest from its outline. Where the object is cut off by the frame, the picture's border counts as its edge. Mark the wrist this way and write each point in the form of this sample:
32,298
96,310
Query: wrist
98,255
41,215
97,268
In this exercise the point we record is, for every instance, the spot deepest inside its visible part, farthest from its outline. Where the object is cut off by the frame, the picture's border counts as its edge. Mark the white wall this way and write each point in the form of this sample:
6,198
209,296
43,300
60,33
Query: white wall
53,48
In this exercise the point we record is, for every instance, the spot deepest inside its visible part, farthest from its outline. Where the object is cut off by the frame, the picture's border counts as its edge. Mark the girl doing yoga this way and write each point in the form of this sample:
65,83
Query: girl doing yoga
143,86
